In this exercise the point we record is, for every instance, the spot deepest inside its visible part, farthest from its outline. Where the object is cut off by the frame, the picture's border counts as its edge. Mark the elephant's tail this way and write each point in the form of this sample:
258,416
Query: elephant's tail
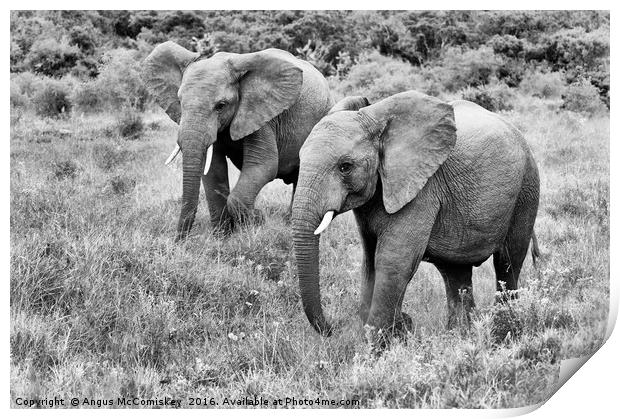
535,249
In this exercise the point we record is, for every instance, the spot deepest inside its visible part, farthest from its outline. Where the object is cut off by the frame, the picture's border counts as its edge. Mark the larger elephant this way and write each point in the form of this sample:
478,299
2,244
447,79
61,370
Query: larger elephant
256,109
447,183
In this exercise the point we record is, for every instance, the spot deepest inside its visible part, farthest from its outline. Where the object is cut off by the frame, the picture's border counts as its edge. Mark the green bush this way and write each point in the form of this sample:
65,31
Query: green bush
52,99
584,98
544,85
494,97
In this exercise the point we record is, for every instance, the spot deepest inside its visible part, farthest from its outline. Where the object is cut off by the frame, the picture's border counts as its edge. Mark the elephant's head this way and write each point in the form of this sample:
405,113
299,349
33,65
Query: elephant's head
238,92
397,143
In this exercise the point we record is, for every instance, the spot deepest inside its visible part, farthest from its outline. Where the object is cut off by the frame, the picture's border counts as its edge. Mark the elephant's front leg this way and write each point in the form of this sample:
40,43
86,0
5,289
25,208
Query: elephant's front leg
400,249
385,318
260,166
369,245
217,189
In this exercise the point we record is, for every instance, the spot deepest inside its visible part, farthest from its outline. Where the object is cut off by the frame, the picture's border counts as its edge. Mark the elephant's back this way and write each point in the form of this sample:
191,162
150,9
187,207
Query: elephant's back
315,91
486,143
480,128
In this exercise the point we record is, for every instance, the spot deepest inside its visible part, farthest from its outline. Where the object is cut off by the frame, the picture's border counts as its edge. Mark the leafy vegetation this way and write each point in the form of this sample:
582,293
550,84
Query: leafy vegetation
104,303
449,50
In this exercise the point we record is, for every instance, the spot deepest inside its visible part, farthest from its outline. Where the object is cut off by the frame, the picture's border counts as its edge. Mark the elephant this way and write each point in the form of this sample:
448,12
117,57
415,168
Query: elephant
445,183
256,109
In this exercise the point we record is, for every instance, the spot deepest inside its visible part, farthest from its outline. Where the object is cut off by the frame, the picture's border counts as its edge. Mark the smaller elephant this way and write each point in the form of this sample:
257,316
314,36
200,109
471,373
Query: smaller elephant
447,183
255,109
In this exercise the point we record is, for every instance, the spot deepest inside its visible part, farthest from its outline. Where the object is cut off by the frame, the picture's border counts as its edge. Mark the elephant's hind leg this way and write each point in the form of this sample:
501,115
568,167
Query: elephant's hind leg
507,263
459,292
369,244
508,260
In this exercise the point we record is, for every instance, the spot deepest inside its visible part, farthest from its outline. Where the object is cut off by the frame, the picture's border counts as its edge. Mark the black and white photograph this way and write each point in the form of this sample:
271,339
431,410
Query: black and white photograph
285,209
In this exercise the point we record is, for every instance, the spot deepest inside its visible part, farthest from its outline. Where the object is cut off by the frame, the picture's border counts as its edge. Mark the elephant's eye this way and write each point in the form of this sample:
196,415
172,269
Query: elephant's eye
345,167
220,105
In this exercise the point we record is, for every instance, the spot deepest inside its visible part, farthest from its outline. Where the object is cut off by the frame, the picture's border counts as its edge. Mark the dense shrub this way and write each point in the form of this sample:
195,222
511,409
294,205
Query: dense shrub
462,68
53,98
316,54
494,97
107,156
51,57
119,81
130,124
86,97
26,83
392,38
18,99
84,37
418,36
583,97
576,47
65,169
377,77
122,184
453,49
544,85
507,45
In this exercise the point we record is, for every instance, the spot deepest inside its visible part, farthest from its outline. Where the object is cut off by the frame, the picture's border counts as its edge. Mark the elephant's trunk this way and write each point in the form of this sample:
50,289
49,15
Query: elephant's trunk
194,139
305,219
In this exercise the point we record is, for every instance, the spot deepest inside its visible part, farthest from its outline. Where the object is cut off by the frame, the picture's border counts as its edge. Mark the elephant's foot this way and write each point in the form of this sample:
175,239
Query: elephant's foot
224,224
183,231
459,318
505,296
459,311
243,216
380,339
403,325
223,228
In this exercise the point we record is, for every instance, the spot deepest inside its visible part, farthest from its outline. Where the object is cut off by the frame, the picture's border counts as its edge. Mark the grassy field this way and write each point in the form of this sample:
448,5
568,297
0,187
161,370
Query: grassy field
104,304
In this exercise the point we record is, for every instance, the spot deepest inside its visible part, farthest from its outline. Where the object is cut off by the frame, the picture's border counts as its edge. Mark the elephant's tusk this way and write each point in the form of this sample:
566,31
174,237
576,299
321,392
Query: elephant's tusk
209,157
172,156
329,215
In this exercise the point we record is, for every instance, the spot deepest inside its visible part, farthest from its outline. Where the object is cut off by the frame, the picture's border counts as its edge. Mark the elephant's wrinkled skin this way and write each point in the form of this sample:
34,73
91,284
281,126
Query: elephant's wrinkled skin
450,184
256,109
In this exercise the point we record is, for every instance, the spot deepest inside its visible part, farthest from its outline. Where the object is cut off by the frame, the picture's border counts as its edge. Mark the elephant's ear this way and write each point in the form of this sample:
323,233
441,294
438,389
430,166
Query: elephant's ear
269,83
162,73
350,103
417,133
